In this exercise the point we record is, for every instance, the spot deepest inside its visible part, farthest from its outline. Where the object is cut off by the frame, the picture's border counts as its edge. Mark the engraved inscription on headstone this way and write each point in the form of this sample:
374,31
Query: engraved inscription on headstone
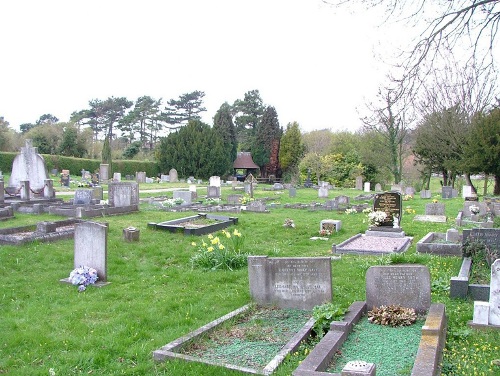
390,203
406,285
290,282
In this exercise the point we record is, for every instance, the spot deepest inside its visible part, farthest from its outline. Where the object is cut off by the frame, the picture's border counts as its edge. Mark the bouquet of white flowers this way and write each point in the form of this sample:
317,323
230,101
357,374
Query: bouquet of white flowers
82,277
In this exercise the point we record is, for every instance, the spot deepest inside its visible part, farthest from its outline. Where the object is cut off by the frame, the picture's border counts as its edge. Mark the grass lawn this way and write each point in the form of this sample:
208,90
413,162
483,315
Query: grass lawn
155,295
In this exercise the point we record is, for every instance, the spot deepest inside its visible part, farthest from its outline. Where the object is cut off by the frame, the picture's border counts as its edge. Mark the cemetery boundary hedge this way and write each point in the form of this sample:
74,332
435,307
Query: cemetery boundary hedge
75,165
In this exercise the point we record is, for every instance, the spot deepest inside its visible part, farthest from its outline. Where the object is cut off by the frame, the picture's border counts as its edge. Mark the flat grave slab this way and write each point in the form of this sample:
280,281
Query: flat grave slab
200,224
373,245
430,218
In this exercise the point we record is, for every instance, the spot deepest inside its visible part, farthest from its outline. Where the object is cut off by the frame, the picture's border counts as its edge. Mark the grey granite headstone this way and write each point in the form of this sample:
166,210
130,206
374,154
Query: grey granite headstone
104,172
185,195
234,199
494,318
343,200
117,177
359,183
97,193
257,206
323,192
435,209
213,191
410,191
140,176
292,192
123,194
83,197
488,236
446,192
378,187
408,285
425,193
173,175
91,247
290,282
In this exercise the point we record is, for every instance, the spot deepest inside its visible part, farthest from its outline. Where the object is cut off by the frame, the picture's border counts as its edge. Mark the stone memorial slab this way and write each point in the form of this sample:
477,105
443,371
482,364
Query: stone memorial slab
149,180
83,197
140,177
29,166
483,208
435,209
466,191
488,236
91,247
323,192
234,199
290,282
446,192
391,204
330,224
256,206
213,191
214,181
117,177
185,195
367,186
359,183
378,187
408,285
248,187
104,172
165,178
343,200
481,313
97,193
425,193
123,194
494,317
292,192
174,178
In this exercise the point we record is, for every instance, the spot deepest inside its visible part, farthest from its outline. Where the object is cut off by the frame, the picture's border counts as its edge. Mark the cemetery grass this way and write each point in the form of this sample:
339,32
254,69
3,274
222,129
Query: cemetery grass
155,296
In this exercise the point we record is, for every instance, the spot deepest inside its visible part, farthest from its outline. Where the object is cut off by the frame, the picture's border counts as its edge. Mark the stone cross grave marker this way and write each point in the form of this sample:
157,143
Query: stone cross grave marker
391,204
290,282
408,285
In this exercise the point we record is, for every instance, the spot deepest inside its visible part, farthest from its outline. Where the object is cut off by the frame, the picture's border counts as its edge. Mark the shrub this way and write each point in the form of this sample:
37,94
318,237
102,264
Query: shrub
324,315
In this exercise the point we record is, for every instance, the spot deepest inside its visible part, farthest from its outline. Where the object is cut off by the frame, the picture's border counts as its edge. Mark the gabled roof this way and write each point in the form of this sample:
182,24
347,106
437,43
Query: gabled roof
244,160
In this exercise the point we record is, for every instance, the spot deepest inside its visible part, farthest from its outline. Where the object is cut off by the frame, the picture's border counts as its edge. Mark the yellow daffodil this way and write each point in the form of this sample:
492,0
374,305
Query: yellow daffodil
204,244
210,236
193,244
215,240
210,249
221,246
236,233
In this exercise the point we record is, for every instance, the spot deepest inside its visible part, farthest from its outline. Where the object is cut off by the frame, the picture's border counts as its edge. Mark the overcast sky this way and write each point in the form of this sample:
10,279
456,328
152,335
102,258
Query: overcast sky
313,63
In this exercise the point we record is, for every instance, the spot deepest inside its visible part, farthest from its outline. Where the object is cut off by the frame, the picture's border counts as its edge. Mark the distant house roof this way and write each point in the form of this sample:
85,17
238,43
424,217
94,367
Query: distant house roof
244,160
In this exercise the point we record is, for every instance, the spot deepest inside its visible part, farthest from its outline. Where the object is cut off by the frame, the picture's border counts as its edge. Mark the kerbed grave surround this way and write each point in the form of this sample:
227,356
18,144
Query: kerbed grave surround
182,224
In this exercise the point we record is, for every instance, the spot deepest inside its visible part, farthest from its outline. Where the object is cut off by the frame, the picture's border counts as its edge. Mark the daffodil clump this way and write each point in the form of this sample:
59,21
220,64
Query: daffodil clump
214,253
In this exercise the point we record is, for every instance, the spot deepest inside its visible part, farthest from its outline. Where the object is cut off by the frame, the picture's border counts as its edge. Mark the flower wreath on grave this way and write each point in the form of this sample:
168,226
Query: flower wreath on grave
82,277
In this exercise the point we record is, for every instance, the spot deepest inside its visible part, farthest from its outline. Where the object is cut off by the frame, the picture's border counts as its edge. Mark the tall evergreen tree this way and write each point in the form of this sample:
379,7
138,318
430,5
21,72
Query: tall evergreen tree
248,113
187,107
225,129
291,151
265,150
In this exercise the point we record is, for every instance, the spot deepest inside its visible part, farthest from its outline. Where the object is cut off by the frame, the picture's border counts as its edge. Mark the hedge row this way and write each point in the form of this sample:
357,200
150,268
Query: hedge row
75,165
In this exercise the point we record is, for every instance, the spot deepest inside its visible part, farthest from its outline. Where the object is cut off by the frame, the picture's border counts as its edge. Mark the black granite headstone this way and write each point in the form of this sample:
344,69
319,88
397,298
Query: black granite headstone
390,203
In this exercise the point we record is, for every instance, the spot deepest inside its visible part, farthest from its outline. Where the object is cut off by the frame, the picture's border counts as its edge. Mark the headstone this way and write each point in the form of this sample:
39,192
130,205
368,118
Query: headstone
194,192
65,180
91,247
330,224
25,190
408,285
165,178
278,186
425,193
410,191
123,194
435,209
149,180
234,199
83,196
117,177
322,192
466,191
481,314
292,192
54,172
2,192
290,282
359,183
104,172
185,195
489,236
378,187
358,368
97,193
494,317
308,183
95,179
29,166
248,187
367,186
256,206
483,208
214,181
48,190
173,176
191,180
396,188
343,200
390,203
452,235
213,191
140,177
446,192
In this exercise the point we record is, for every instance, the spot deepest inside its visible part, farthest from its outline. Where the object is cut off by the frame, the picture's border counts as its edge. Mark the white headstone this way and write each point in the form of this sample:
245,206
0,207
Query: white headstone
367,186
466,191
481,313
117,177
29,166
214,181
322,192
495,294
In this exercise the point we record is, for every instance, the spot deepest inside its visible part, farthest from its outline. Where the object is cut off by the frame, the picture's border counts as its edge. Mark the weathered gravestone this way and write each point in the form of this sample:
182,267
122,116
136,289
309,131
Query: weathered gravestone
278,186
214,181
140,177
104,172
164,178
173,176
65,178
466,191
83,197
97,193
446,192
117,177
408,285
343,200
378,187
359,183
91,248
184,195
434,209
322,192
257,206
391,204
234,199
29,166
425,193
290,282
410,191
292,192
213,191
123,194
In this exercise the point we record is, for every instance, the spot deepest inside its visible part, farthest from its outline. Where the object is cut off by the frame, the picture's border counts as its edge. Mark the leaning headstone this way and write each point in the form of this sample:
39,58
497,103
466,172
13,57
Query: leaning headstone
83,197
104,172
140,177
290,282
173,176
408,285
391,204
494,317
446,192
29,166
123,194
359,183
91,247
